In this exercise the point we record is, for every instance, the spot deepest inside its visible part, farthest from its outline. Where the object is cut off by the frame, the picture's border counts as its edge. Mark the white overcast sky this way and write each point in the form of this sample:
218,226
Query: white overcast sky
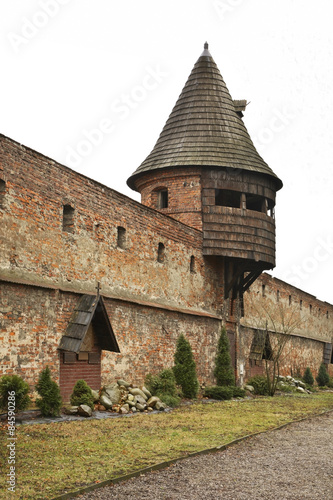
69,67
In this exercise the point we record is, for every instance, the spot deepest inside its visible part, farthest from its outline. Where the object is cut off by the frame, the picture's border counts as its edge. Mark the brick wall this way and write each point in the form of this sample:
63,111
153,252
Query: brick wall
314,317
147,339
310,320
45,269
69,374
33,320
184,193
38,250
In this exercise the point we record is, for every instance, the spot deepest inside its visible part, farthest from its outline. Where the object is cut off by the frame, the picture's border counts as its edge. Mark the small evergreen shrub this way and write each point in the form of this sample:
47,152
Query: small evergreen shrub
50,401
14,386
172,401
330,383
259,383
185,368
219,392
82,395
163,382
224,372
308,377
164,387
322,378
238,392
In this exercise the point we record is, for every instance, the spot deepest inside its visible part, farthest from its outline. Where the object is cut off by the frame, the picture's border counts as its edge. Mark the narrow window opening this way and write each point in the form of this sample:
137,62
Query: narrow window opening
270,208
278,296
301,304
192,264
161,253
163,201
267,352
255,202
232,307
326,314
290,300
265,206
121,237
2,193
310,309
227,198
263,290
68,219
271,212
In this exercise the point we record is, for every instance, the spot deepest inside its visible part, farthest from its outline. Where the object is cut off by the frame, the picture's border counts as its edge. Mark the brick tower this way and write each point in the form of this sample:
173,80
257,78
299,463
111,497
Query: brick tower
205,172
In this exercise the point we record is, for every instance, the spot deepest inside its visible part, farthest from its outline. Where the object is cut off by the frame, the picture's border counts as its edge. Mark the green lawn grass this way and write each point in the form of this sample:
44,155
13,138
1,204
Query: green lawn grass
55,458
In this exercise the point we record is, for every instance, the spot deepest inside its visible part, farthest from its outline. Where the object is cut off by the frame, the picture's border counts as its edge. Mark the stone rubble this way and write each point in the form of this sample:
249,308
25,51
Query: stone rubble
295,384
120,397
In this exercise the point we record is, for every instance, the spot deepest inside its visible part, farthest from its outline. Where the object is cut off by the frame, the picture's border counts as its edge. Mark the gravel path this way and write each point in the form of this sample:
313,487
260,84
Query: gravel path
295,462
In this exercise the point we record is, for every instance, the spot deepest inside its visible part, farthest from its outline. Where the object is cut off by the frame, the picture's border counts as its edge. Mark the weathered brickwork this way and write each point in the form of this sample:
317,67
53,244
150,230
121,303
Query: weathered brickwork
50,256
69,373
298,354
184,194
314,317
39,251
33,320
312,320
147,339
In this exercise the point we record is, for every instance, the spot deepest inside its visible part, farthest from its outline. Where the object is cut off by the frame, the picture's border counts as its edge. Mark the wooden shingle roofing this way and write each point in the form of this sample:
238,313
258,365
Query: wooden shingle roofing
89,309
204,129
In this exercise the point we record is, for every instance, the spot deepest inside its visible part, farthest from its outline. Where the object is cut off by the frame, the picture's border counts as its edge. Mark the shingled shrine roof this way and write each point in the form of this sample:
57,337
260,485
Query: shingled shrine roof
89,309
205,129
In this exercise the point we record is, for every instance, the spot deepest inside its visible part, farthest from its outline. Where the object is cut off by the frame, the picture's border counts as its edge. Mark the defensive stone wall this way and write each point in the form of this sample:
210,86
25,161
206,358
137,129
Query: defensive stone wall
34,318
313,318
63,229
307,321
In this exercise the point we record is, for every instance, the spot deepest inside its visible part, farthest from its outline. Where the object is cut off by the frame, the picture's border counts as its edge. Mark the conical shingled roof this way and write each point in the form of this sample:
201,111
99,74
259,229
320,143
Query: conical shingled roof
204,129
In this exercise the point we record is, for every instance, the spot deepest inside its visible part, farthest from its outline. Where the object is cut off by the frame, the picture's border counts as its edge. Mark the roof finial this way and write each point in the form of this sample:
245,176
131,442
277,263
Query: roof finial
206,52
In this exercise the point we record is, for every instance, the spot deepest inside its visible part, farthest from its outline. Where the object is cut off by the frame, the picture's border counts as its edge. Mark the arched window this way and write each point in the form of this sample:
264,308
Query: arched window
161,253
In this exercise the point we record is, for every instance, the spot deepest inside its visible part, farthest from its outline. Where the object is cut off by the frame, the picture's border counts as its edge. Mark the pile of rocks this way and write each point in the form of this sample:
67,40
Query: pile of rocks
292,383
285,384
120,397
123,397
